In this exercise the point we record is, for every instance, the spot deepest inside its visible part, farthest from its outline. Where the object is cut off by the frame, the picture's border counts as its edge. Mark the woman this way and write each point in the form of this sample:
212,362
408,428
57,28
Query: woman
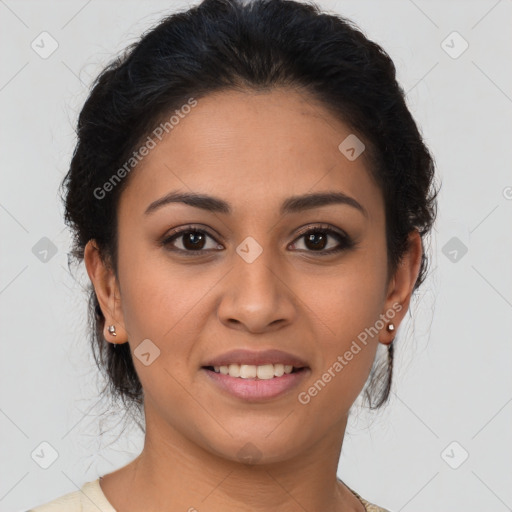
249,194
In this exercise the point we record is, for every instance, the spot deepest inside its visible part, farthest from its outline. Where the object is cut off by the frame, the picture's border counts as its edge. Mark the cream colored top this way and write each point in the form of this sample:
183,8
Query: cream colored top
90,498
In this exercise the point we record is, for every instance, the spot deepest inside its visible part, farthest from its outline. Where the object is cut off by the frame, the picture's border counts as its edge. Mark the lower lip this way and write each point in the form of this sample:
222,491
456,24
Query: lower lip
254,390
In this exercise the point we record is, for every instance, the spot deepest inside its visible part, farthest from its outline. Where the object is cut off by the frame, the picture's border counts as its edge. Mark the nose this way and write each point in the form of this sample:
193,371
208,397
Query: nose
256,296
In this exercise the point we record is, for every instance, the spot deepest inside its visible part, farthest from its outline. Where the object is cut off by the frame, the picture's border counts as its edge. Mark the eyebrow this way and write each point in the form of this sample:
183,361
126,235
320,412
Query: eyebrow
293,204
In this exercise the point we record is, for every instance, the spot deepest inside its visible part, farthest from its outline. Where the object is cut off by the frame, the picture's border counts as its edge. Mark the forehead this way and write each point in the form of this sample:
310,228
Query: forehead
252,149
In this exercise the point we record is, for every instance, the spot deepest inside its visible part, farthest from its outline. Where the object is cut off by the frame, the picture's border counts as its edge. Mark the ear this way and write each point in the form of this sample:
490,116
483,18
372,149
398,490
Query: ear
401,286
107,291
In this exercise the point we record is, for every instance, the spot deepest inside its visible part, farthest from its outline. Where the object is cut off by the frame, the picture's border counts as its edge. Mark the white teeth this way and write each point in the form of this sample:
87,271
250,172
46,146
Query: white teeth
249,371
234,370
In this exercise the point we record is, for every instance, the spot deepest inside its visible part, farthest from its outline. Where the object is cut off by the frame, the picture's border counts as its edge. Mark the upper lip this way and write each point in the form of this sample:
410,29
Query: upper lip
251,357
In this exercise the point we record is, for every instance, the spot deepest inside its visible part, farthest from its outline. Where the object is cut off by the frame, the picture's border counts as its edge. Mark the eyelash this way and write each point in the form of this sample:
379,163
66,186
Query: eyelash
345,241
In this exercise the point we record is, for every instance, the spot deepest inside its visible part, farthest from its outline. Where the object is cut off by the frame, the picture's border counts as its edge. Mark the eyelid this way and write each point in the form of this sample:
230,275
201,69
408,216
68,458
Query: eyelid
321,226
193,227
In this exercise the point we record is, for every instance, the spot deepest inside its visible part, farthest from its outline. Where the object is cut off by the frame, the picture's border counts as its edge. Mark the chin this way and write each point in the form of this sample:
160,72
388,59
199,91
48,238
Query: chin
254,450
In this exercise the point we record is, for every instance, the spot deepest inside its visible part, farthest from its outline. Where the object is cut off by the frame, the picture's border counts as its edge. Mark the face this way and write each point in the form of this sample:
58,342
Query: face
252,278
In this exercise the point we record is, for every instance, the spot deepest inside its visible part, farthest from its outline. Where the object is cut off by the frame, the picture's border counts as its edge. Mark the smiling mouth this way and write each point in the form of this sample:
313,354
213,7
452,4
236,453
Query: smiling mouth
216,370
257,384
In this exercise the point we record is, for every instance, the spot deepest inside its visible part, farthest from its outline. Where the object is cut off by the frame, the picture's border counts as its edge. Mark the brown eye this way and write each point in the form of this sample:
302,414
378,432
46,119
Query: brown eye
321,240
317,240
191,240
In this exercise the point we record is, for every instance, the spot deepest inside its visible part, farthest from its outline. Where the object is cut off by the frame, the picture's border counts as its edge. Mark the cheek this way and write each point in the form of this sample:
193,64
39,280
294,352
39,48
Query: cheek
154,302
353,296
138,278
349,306
162,299
346,353
348,314
159,304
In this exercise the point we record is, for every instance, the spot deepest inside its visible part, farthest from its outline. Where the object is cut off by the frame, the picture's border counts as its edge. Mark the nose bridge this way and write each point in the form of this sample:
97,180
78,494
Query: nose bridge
254,267
256,295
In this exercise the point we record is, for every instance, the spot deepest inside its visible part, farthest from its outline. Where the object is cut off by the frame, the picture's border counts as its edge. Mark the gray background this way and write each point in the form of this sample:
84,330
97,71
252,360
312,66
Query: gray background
453,369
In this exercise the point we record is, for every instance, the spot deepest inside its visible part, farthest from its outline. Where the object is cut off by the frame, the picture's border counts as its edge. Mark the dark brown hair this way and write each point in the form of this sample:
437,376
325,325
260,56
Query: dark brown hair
257,45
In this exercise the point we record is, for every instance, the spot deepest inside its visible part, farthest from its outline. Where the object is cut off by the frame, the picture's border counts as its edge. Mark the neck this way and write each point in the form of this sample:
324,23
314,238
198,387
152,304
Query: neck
175,473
